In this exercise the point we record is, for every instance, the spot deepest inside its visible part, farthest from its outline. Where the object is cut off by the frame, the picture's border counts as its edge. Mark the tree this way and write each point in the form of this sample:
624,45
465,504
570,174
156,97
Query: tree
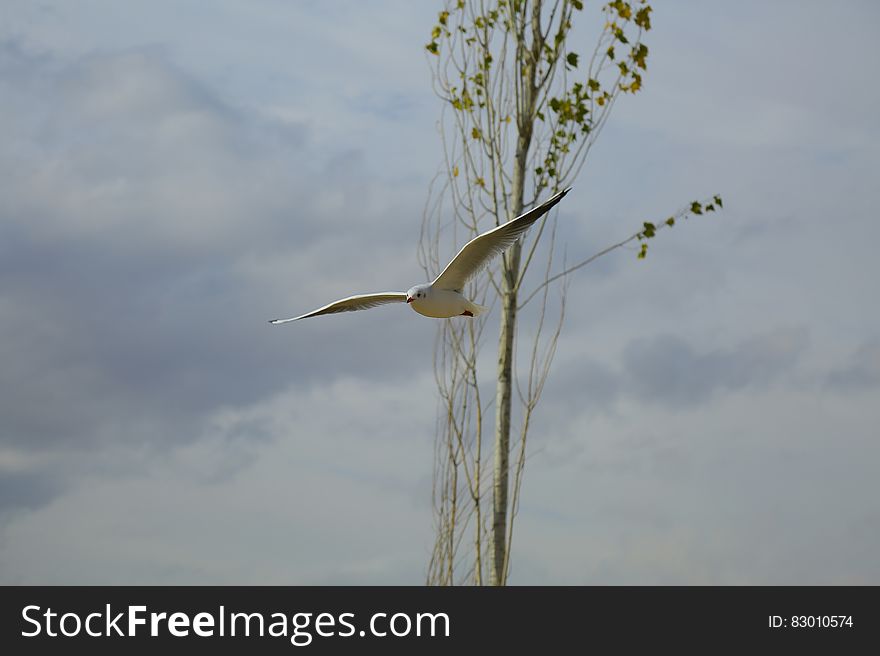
521,111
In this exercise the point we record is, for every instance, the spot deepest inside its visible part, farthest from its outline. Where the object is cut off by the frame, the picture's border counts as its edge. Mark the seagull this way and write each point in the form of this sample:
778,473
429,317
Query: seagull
442,298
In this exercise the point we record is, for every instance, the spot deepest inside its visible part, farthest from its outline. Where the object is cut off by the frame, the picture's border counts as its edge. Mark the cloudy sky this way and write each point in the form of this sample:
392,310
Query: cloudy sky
173,174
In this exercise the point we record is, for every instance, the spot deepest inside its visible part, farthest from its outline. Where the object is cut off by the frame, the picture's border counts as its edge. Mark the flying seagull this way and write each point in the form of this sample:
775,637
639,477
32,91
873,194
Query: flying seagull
443,298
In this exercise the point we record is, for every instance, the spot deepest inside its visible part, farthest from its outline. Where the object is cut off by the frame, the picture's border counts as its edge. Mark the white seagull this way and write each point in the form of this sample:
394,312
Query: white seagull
443,298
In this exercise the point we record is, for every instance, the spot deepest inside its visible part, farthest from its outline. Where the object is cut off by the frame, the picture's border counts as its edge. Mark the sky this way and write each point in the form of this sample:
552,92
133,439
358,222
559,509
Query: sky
173,174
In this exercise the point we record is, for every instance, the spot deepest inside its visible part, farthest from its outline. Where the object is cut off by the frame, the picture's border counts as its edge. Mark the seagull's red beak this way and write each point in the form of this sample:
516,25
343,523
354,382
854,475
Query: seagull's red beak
409,299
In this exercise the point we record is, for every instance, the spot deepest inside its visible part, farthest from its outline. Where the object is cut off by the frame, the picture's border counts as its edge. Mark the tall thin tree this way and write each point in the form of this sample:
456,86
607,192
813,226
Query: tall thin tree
521,112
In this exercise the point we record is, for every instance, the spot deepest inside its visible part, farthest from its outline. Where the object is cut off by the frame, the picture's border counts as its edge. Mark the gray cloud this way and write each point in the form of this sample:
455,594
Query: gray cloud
149,231
25,491
861,372
667,369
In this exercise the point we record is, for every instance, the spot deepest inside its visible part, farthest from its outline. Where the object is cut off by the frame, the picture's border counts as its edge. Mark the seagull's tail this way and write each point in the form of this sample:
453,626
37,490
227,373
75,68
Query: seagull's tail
476,309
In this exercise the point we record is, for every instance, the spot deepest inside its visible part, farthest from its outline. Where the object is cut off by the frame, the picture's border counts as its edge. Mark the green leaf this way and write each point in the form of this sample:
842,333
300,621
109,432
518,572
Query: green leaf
577,4
640,55
433,48
572,59
643,251
475,133
670,221
696,208
649,230
717,200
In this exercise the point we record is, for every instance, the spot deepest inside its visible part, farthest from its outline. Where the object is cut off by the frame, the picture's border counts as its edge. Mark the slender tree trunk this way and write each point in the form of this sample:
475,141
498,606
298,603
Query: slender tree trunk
502,417
529,55
510,276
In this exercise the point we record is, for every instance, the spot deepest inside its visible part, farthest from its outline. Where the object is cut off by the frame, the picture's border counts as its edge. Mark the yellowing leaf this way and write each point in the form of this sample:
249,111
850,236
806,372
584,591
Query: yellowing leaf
643,18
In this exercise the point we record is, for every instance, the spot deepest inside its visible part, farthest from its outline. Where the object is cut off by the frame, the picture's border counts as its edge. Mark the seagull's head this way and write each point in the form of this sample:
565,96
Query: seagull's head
417,292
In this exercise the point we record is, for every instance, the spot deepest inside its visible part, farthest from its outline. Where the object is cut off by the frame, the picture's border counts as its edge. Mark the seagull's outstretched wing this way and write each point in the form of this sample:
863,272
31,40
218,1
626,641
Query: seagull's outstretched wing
351,304
479,251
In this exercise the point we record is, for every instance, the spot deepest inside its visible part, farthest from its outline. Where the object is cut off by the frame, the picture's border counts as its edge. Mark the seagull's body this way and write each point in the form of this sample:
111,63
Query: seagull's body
442,298
443,303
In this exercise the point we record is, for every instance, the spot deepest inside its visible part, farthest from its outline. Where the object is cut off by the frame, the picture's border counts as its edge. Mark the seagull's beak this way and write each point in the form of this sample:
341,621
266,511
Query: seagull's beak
409,299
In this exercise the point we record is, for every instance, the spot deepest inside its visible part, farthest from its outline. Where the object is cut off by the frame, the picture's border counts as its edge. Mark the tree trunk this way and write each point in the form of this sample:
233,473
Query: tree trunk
510,275
529,55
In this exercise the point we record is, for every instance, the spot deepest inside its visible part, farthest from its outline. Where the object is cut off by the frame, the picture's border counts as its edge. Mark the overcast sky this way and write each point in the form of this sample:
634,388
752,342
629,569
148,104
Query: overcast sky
173,174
